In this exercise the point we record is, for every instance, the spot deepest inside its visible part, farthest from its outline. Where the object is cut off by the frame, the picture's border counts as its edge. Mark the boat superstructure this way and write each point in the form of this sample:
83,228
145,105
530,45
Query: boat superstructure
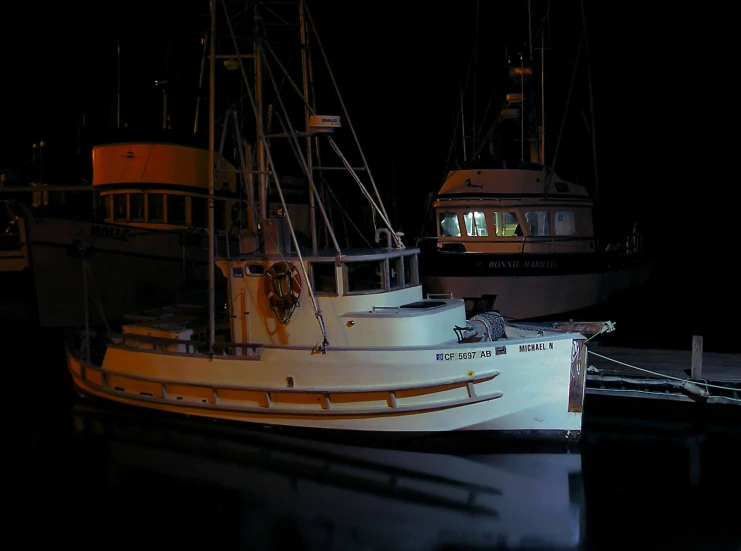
326,337
150,219
505,232
144,211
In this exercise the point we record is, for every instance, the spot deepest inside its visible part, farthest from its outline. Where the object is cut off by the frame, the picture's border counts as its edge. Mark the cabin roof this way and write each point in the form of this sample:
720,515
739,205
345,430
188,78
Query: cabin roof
503,182
330,255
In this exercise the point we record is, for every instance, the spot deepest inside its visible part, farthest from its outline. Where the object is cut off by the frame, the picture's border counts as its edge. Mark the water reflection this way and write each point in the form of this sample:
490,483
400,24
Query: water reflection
663,485
104,474
180,482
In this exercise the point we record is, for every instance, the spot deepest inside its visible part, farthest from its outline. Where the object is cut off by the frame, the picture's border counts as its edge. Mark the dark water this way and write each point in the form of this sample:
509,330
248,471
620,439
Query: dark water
100,475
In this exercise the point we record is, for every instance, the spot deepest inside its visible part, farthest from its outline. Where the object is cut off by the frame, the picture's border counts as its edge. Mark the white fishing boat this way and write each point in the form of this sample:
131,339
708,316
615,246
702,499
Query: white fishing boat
337,338
504,231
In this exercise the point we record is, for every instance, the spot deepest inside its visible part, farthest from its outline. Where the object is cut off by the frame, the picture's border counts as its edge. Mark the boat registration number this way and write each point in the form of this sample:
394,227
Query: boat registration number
463,355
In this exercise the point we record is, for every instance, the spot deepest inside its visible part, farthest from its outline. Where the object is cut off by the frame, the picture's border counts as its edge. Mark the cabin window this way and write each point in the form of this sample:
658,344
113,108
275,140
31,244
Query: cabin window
410,271
564,222
105,208
238,215
137,206
449,226
176,209
364,276
475,224
324,278
506,224
538,222
156,207
119,207
396,266
219,215
198,212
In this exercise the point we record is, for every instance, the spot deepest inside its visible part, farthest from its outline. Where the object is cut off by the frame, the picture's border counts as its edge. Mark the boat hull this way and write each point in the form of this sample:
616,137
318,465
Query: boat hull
521,392
129,269
17,296
525,287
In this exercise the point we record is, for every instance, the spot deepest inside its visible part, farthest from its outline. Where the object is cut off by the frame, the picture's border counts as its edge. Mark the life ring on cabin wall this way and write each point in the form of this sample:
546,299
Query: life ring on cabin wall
282,286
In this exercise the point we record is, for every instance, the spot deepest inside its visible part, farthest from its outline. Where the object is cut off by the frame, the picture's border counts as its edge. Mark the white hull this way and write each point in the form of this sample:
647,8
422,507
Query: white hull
537,392
525,297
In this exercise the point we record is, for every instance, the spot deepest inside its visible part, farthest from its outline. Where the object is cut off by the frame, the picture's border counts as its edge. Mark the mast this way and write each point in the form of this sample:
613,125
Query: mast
380,207
211,177
267,158
522,108
568,101
309,156
118,83
591,100
463,121
531,89
200,84
164,84
261,168
474,129
542,92
530,30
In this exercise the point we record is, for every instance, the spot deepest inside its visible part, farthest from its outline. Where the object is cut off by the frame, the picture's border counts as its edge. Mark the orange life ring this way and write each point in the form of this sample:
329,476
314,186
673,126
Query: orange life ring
283,285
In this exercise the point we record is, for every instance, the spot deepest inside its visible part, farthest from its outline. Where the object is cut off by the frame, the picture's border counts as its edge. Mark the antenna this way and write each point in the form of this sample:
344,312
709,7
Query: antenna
475,79
546,19
163,84
568,101
591,100
118,85
211,178
530,30
305,90
522,108
542,96
204,41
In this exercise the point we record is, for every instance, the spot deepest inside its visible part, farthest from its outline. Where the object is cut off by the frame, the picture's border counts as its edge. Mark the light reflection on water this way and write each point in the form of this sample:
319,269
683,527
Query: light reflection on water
105,474
282,490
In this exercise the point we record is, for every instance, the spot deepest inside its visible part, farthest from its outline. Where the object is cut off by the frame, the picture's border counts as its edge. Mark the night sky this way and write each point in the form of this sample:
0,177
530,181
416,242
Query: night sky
402,66
399,70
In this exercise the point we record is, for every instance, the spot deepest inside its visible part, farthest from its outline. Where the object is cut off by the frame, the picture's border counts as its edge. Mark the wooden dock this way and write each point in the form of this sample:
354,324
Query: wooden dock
676,375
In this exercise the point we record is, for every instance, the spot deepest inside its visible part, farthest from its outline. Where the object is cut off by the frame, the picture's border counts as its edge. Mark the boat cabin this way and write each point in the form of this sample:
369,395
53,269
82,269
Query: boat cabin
366,297
513,211
162,186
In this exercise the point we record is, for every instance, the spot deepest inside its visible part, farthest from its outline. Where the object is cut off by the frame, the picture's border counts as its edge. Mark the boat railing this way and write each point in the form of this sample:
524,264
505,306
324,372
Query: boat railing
630,244
185,346
380,308
550,239
36,195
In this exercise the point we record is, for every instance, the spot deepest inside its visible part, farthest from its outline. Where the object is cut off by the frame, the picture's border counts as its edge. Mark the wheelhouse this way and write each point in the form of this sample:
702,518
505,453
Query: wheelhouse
513,210
162,186
360,284
515,228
